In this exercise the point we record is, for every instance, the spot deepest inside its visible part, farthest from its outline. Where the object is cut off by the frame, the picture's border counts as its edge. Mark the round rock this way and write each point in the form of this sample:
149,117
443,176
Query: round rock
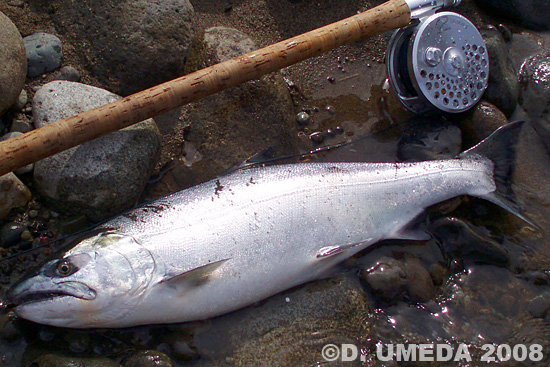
44,53
13,194
129,45
535,94
13,63
503,89
68,73
99,178
530,13
226,43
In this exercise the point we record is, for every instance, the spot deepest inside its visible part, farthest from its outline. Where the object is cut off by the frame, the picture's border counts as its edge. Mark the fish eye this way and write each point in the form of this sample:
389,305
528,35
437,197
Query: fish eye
64,268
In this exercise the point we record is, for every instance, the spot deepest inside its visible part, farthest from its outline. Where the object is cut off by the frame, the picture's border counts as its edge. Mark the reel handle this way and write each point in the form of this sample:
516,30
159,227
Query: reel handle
69,132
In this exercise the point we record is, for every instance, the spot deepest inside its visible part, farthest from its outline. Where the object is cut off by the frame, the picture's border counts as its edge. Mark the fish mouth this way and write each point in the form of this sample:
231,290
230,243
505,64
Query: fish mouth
24,294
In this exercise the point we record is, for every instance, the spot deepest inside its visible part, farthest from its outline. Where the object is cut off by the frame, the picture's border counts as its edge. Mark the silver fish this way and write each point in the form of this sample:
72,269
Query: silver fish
246,236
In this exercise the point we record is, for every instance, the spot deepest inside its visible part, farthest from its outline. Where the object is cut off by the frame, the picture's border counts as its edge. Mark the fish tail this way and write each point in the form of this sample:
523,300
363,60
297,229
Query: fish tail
500,148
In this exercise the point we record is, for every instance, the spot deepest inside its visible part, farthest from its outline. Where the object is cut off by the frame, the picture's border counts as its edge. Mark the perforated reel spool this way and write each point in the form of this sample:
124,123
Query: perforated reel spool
439,63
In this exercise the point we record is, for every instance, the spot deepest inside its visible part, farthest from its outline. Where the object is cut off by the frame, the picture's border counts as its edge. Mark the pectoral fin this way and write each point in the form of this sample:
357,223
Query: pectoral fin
195,277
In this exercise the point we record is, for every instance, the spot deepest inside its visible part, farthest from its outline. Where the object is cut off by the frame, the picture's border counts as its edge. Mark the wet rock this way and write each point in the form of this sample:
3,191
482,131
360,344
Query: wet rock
503,89
428,138
148,358
535,94
10,234
530,13
289,329
68,73
461,240
26,169
129,45
13,63
55,360
480,122
539,306
13,194
8,331
419,281
226,43
44,53
387,279
256,115
99,178
303,118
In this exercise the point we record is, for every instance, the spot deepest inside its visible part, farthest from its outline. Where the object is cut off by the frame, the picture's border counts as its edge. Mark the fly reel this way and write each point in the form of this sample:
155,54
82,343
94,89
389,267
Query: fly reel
441,62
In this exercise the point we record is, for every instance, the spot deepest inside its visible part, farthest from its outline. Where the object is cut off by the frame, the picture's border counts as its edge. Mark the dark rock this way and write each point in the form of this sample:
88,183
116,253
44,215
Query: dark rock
10,234
128,45
8,331
461,240
68,73
256,115
13,63
535,94
503,89
539,306
480,122
387,279
428,138
44,53
55,360
530,13
148,358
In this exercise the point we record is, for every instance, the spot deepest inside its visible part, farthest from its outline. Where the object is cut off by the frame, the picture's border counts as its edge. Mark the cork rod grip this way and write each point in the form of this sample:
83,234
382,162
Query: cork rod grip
64,134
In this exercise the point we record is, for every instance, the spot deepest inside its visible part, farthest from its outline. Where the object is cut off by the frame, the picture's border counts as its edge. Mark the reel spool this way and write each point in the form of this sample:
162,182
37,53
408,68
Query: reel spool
441,62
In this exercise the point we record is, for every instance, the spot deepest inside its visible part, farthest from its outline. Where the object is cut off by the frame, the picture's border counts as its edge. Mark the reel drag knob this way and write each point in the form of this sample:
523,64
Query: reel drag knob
439,63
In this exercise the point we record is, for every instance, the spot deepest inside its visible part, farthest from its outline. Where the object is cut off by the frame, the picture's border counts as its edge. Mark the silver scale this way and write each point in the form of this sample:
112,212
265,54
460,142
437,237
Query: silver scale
438,62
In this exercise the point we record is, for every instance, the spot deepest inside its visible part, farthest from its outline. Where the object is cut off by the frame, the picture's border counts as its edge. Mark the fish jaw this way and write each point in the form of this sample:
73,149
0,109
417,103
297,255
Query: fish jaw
41,298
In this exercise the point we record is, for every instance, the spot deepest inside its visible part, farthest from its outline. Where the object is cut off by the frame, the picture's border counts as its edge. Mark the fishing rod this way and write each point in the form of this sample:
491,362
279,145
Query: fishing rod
418,70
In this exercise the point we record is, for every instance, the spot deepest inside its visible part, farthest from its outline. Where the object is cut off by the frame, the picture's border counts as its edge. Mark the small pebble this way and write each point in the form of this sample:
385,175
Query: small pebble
68,73
17,3
26,235
331,109
21,100
331,79
148,358
33,213
303,118
317,137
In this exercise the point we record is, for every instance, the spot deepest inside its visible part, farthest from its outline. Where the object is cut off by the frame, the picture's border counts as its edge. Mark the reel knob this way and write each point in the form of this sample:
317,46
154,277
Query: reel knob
440,63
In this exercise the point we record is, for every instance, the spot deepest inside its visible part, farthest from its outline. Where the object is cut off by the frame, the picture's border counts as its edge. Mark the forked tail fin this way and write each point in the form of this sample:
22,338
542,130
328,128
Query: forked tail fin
500,148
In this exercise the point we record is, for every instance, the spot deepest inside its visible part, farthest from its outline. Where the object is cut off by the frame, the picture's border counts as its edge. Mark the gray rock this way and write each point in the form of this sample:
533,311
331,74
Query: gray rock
20,126
99,178
503,89
26,169
13,194
226,43
44,53
21,100
13,63
68,73
535,94
129,45
529,13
